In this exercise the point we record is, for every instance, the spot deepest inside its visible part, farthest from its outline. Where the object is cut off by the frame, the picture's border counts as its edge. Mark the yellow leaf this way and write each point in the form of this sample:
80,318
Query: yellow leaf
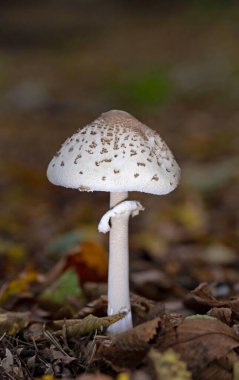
236,371
169,366
95,256
18,285
123,376
191,215
90,261
47,377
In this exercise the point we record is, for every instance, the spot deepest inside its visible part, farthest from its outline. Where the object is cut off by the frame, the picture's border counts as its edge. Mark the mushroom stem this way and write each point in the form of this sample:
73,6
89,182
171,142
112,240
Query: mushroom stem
118,277
116,198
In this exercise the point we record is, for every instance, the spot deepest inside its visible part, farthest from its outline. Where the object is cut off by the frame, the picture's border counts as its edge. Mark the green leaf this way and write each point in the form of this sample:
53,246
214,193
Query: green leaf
65,242
66,286
202,316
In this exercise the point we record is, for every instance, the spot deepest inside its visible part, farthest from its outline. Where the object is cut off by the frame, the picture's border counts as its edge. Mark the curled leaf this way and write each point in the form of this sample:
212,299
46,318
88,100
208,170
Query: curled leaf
77,327
201,300
224,314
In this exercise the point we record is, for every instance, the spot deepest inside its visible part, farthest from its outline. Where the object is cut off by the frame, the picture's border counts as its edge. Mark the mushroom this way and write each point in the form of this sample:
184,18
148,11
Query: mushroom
118,154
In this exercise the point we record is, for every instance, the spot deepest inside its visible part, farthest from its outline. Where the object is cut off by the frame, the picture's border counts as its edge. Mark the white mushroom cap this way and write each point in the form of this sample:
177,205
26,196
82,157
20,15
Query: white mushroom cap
115,153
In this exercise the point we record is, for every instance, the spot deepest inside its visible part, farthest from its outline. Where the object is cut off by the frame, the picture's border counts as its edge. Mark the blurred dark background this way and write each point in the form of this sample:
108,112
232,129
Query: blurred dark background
175,66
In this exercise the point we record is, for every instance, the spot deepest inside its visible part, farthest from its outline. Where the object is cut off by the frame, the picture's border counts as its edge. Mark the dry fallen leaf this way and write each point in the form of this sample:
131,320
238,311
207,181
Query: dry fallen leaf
13,322
145,309
8,361
125,351
220,369
200,341
10,366
98,305
224,314
201,300
77,327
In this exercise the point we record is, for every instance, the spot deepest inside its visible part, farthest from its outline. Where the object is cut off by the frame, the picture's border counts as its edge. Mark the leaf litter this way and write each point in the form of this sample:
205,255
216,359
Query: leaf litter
52,324
164,344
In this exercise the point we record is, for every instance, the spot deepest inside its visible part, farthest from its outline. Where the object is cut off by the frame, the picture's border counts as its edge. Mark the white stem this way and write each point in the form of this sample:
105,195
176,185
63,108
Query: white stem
116,198
118,277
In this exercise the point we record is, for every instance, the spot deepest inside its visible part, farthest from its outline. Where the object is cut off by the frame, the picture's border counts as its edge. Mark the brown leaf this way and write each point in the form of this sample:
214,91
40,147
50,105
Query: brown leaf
200,341
214,371
59,355
126,350
220,369
145,309
34,332
201,300
224,314
94,307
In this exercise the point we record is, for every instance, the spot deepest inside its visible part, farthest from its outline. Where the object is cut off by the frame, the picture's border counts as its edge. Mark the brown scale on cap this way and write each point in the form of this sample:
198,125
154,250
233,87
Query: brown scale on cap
78,157
103,150
84,188
116,143
155,178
